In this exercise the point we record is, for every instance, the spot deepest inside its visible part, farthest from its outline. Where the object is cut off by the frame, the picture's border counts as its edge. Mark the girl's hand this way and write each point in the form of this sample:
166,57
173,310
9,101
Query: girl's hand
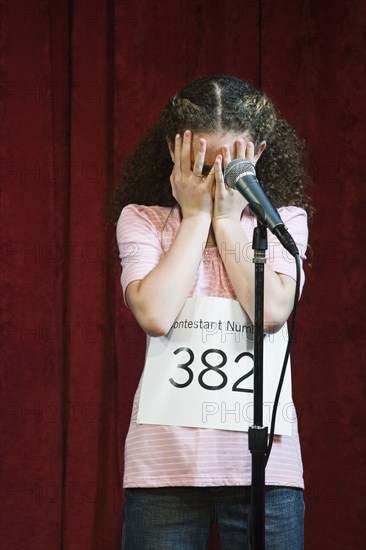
191,190
229,203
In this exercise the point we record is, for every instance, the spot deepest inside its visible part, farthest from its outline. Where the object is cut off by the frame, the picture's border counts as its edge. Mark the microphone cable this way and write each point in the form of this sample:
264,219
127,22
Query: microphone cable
287,354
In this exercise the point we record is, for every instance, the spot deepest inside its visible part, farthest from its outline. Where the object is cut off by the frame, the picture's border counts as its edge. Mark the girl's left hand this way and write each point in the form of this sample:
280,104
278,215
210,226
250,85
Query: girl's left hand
229,203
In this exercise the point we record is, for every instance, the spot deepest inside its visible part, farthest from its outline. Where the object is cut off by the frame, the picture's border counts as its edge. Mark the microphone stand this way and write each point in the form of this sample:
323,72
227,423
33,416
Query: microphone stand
257,434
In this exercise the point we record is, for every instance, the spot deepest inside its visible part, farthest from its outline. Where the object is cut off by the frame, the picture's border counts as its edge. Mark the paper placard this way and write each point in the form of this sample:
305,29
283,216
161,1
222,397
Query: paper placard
201,373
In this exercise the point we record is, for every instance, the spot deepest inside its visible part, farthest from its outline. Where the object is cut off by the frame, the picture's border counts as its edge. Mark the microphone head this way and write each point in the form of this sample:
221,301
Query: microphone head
236,169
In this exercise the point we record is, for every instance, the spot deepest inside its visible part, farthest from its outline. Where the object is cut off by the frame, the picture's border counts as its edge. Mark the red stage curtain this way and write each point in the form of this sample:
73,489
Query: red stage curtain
80,82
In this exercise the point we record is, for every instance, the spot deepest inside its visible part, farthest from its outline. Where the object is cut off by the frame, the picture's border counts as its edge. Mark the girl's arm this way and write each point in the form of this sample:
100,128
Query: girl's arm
157,299
279,289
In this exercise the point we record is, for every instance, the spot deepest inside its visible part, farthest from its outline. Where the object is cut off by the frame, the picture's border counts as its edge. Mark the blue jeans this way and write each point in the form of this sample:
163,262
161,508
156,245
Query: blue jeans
180,518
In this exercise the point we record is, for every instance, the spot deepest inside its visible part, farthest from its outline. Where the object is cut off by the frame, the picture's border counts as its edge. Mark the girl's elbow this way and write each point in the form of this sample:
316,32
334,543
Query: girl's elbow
274,319
155,330
271,327
153,325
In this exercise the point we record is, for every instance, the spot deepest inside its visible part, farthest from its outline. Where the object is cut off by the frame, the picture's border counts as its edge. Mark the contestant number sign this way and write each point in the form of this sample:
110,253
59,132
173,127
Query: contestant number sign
201,373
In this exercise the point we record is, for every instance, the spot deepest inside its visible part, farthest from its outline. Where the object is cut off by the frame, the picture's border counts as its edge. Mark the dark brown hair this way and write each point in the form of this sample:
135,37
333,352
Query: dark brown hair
216,104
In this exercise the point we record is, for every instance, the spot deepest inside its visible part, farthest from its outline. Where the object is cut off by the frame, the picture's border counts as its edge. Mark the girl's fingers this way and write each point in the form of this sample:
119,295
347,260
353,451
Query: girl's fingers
199,161
219,177
177,155
226,155
211,175
240,149
186,153
250,152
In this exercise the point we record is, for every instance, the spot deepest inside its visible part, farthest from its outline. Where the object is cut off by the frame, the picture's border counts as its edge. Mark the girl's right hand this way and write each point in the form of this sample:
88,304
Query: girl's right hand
191,190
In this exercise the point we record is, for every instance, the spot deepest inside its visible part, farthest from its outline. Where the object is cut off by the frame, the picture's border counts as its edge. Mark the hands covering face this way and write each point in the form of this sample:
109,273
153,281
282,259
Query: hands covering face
198,185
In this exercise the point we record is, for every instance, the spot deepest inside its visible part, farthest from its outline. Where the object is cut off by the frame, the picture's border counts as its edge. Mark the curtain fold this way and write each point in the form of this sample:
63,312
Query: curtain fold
90,295
31,272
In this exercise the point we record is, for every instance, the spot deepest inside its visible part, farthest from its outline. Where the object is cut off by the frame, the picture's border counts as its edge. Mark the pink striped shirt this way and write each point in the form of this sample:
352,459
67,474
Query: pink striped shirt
158,456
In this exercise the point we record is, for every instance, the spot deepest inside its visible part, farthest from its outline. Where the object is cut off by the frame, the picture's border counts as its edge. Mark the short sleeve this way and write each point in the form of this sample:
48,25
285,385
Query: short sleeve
138,243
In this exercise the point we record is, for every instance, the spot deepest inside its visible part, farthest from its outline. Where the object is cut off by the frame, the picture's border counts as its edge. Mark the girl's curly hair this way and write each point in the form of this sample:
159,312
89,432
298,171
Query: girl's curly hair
216,104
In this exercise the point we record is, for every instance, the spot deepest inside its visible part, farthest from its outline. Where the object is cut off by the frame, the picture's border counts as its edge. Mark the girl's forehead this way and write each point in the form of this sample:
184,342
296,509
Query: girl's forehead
218,140
215,142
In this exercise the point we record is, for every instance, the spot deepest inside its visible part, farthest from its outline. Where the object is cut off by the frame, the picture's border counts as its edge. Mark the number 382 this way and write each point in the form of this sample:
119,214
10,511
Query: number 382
209,368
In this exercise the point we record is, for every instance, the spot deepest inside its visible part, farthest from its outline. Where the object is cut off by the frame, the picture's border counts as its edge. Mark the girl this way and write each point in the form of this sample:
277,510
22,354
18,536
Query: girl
181,244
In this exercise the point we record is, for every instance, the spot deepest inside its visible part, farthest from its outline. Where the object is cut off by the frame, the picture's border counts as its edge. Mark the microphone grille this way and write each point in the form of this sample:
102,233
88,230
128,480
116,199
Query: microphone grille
236,169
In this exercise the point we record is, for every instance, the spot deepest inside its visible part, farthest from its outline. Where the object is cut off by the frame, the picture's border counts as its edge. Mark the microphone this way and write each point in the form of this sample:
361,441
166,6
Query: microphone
240,175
